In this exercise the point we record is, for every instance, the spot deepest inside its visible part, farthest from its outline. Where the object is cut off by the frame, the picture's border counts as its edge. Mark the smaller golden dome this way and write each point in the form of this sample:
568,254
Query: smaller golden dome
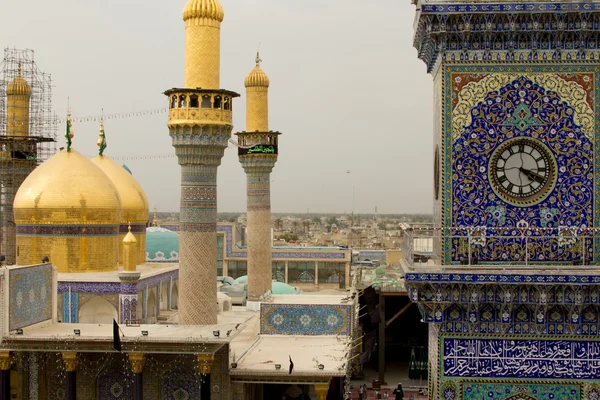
211,9
133,199
129,239
18,87
257,78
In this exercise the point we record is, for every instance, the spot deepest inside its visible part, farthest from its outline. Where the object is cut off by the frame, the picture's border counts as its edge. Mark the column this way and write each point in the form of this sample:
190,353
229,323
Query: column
205,363
70,360
260,241
198,238
137,361
322,389
169,292
381,347
5,363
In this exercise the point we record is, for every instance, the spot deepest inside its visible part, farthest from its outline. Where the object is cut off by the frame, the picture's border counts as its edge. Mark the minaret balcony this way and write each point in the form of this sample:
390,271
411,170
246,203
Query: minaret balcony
200,107
258,143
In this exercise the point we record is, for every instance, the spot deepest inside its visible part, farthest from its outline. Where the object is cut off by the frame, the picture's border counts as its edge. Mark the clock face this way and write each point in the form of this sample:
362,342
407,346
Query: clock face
522,171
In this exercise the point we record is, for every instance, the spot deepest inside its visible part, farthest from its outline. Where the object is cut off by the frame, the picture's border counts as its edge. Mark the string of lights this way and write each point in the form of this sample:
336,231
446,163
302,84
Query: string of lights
124,115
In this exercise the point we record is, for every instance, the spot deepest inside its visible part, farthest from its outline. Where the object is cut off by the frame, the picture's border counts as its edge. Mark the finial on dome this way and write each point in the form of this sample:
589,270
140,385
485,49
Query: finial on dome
19,68
258,59
102,138
69,134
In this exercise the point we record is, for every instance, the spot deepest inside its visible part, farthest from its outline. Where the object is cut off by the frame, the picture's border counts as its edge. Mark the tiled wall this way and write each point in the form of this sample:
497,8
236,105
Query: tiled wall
301,319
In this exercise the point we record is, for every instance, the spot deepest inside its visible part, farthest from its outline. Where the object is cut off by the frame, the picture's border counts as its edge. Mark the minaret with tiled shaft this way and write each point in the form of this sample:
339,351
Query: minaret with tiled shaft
258,155
200,124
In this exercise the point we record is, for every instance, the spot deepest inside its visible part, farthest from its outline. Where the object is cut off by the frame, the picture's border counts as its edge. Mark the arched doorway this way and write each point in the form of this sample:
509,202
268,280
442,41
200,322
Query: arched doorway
97,311
174,296
151,306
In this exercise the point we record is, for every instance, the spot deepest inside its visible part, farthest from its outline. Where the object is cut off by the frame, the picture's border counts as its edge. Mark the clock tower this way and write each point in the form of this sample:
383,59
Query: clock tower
512,292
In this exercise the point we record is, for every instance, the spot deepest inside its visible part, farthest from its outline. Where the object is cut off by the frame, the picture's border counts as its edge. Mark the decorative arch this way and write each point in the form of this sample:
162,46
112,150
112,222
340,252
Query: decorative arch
97,311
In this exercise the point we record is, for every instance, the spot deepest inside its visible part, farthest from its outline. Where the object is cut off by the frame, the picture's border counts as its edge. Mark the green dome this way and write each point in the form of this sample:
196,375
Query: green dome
276,287
162,245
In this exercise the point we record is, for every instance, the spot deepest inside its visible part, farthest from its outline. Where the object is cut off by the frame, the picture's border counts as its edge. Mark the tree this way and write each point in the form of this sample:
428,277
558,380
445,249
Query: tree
295,225
316,220
278,223
306,225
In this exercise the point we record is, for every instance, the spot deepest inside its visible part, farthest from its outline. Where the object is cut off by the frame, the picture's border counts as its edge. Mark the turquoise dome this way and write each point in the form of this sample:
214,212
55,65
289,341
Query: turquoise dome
276,287
162,245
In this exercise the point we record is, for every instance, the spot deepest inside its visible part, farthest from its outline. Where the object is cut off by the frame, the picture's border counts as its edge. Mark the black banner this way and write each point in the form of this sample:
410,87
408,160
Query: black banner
258,149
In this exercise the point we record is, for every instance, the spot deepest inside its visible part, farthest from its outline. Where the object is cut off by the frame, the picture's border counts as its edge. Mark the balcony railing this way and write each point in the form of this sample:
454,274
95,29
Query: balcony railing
489,247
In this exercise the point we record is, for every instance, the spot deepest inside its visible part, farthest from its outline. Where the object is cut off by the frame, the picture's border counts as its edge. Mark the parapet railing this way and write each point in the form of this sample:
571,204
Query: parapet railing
502,248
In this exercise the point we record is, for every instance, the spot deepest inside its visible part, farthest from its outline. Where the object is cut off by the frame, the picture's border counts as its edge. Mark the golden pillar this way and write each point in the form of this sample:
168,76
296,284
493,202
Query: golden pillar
205,362
18,94
137,361
5,384
202,43
70,360
5,360
322,389
130,251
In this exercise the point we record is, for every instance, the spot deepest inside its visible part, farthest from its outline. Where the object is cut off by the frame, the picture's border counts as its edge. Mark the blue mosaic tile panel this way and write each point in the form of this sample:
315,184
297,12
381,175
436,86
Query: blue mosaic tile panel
110,385
542,108
30,291
291,319
520,391
180,384
512,7
528,358
70,307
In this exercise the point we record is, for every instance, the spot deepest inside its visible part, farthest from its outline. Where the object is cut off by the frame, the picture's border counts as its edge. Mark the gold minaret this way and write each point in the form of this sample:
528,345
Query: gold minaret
130,251
16,155
258,154
18,94
200,125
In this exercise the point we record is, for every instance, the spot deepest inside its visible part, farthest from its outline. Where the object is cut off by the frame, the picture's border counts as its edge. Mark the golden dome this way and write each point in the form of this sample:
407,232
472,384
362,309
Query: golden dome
18,86
129,238
257,78
67,189
211,9
134,203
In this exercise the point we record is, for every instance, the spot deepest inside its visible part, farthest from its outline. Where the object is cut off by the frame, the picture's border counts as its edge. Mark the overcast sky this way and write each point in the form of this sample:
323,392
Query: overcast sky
347,91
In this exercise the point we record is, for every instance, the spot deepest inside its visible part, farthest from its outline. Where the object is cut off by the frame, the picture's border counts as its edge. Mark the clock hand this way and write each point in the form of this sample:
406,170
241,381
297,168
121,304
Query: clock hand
532,175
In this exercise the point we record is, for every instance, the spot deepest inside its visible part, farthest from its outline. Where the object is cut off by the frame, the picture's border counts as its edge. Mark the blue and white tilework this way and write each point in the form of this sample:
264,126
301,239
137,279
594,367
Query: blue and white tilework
30,291
301,319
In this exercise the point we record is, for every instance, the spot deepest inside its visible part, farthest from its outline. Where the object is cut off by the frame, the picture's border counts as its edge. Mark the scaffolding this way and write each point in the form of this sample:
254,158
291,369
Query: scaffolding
27,137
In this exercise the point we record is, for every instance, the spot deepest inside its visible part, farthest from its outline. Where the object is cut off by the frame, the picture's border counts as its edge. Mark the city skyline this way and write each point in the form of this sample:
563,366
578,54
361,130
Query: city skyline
351,131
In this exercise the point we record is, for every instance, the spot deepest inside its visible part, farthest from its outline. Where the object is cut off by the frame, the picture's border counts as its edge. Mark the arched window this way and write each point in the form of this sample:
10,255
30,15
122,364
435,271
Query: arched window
226,103
206,101
194,101
217,104
97,311
174,102
182,101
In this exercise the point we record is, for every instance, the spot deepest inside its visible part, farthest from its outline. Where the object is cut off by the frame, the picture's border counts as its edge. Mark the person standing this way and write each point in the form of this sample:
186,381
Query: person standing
399,392
361,392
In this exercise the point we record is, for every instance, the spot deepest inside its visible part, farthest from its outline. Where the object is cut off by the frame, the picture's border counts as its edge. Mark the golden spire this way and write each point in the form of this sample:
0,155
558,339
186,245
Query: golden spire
155,219
19,68
258,60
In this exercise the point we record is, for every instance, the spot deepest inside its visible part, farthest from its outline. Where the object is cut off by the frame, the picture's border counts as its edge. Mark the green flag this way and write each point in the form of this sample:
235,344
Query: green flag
68,134
101,140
